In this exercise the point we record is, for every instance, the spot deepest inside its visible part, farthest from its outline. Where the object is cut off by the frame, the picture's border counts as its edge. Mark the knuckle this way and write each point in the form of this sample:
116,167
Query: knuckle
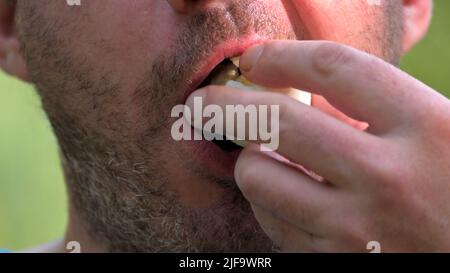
433,117
390,178
354,235
329,57
387,167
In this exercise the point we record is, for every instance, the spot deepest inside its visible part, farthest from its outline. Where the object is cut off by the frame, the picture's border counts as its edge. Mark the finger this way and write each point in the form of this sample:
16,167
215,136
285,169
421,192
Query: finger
306,135
284,191
360,85
285,236
323,105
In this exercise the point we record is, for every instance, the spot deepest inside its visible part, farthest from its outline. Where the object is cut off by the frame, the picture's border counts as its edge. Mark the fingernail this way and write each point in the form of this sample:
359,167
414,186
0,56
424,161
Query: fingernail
250,58
196,94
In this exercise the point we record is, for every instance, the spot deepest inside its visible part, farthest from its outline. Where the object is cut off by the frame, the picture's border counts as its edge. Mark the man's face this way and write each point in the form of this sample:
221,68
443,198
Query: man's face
109,73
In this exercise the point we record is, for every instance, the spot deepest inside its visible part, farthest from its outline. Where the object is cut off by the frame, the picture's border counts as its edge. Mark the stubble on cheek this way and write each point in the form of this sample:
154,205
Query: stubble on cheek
114,163
113,143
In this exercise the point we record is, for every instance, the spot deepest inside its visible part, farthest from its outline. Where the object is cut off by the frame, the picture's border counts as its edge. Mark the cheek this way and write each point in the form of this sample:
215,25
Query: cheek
344,21
124,37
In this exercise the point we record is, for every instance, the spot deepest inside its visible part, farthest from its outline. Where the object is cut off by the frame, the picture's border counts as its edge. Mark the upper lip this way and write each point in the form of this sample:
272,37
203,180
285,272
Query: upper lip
222,51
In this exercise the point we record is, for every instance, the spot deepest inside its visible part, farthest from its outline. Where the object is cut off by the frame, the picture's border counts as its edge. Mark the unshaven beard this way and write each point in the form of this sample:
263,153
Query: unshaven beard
118,187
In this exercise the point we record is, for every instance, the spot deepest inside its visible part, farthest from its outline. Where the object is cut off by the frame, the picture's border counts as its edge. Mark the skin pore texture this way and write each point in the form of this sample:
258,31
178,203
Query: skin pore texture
110,71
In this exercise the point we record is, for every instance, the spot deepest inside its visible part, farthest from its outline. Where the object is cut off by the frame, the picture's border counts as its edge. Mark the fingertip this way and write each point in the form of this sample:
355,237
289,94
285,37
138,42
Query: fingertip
250,58
200,93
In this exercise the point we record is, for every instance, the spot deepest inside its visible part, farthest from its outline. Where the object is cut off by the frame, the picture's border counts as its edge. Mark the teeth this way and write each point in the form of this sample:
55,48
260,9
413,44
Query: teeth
242,83
230,76
229,72
235,61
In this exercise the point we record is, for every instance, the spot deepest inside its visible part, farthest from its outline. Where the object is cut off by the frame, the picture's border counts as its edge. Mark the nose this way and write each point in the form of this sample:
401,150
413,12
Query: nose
185,6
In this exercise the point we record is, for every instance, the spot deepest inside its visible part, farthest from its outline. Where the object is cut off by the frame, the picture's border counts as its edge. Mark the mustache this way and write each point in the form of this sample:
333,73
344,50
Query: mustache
196,40
208,28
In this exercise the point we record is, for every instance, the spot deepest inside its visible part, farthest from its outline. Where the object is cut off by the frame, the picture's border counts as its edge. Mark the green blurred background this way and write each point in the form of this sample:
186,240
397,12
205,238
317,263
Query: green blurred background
33,206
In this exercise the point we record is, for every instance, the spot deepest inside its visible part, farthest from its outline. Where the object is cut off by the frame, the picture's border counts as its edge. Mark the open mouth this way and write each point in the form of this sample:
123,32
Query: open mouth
224,72
227,73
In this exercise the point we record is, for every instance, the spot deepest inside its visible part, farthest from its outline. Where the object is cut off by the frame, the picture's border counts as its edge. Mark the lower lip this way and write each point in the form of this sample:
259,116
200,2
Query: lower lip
215,160
208,154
